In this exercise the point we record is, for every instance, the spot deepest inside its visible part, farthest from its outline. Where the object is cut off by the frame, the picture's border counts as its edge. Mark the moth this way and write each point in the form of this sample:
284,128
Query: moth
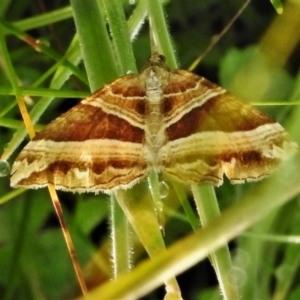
170,121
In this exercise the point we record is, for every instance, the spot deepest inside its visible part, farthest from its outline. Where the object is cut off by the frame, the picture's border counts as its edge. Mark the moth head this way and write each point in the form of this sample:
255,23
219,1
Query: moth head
156,60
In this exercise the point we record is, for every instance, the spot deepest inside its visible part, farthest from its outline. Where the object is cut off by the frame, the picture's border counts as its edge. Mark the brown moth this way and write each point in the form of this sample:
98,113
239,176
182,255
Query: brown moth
170,121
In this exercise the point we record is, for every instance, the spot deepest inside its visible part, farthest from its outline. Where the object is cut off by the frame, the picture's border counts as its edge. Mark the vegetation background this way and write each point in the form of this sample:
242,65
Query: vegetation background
257,59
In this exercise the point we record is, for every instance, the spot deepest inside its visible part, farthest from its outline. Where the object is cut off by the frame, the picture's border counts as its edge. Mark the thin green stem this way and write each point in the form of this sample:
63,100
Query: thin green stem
120,34
45,19
120,236
191,216
208,210
94,42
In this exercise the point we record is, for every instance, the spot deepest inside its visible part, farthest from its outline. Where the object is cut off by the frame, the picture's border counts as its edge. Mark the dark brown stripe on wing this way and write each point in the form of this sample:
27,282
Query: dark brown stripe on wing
126,95
185,91
180,81
86,122
248,166
246,158
128,86
64,166
220,113
180,89
238,167
98,175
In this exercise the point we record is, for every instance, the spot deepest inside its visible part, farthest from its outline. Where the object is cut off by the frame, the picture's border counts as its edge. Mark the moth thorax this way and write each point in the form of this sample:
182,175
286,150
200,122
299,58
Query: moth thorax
154,133
153,87
154,116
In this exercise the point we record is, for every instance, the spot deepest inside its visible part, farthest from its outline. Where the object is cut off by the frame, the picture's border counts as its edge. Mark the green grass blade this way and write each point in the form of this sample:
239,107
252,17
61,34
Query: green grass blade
95,44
